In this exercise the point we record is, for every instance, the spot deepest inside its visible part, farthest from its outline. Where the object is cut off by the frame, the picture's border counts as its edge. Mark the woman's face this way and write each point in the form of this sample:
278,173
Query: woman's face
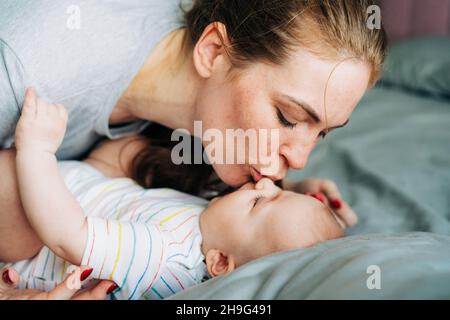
289,98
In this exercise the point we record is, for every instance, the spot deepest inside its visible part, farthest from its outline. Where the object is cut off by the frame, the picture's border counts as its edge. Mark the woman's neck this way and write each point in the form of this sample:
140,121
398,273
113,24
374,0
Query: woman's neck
164,90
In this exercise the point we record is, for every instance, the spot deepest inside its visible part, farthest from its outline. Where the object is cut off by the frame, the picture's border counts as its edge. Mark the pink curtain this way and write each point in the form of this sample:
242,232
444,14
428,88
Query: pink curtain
410,18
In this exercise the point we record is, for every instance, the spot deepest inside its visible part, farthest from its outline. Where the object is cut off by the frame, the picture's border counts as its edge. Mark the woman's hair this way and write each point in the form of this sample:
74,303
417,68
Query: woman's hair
270,30
263,31
153,167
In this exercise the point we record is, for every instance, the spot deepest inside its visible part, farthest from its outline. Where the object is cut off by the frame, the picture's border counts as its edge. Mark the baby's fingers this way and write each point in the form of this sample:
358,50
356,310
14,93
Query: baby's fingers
30,102
44,108
62,112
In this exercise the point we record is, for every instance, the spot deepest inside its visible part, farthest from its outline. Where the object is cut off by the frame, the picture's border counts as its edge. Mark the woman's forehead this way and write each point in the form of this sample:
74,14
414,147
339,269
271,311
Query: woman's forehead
304,68
318,83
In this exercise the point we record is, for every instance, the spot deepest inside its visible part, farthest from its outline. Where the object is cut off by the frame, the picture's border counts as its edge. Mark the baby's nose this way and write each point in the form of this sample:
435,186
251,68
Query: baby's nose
264,183
268,188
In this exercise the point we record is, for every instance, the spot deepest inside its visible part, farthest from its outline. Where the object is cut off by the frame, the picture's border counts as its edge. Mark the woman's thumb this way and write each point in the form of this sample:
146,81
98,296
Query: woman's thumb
70,286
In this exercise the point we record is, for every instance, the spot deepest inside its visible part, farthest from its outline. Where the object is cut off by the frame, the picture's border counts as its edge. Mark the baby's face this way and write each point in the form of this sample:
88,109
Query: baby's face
259,219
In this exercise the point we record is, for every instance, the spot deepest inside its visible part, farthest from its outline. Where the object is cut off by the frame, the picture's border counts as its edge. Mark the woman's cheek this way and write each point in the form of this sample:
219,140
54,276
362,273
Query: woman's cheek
232,175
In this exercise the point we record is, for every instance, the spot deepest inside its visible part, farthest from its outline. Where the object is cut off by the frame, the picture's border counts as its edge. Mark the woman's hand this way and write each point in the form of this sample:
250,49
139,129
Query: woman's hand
9,280
327,192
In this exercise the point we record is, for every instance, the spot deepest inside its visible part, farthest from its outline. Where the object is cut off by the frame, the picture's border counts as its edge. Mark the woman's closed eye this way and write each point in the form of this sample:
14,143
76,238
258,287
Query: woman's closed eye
323,134
283,121
286,123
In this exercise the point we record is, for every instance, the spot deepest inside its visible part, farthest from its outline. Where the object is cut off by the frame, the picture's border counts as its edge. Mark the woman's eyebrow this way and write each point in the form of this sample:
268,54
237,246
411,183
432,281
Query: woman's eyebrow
340,126
310,111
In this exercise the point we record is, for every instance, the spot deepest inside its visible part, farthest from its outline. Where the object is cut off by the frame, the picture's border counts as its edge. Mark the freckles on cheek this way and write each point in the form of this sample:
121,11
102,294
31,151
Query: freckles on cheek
252,110
239,111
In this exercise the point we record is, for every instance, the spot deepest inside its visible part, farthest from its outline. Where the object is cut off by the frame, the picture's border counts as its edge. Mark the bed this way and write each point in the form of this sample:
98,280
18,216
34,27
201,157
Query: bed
392,164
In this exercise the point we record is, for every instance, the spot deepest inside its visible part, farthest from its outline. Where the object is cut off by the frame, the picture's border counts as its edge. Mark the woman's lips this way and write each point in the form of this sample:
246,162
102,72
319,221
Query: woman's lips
255,174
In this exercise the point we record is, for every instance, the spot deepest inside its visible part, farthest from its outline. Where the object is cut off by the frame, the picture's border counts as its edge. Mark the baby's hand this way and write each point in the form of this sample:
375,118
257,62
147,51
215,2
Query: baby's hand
41,126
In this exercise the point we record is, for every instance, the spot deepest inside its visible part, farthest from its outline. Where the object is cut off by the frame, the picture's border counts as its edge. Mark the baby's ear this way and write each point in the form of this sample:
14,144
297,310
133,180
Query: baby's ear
219,263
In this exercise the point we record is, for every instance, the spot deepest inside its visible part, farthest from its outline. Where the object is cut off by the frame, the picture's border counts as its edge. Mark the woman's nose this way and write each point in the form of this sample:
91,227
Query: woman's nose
297,157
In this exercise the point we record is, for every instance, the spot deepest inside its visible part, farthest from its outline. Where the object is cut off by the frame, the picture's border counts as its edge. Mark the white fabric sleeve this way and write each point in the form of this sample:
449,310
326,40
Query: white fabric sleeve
130,254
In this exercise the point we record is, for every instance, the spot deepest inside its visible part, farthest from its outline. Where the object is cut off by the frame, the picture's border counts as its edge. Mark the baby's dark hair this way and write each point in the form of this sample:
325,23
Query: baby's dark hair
153,167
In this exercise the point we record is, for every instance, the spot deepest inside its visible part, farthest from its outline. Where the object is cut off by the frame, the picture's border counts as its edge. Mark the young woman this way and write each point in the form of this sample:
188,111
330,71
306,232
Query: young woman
294,65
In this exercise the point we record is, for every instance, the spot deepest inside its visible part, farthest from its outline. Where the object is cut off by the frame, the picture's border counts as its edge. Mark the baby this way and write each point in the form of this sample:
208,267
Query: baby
150,242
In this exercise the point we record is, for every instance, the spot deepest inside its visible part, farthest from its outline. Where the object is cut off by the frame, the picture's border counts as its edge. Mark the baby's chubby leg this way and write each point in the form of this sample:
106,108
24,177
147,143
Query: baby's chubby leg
18,241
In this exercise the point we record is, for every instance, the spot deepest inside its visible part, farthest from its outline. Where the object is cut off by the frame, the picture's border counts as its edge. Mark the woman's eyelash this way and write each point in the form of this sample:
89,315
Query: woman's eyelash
323,134
283,121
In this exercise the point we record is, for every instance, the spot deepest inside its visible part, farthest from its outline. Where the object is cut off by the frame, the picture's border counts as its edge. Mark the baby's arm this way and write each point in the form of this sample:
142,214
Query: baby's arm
51,209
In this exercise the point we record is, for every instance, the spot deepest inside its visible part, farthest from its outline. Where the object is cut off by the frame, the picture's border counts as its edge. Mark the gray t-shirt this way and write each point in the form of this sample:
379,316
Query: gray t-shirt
80,53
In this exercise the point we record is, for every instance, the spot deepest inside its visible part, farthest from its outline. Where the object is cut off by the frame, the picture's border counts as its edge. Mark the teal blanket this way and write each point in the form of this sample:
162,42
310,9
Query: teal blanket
392,164
409,266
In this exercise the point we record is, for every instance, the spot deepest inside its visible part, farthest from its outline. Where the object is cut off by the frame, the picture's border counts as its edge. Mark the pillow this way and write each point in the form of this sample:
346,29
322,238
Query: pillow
421,64
404,266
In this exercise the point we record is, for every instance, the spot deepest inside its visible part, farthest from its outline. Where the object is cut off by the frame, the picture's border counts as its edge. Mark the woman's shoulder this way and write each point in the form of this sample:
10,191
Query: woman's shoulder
82,54
68,47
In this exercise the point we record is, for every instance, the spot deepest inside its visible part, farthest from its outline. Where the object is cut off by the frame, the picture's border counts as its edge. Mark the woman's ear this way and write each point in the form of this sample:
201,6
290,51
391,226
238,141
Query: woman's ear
209,47
219,263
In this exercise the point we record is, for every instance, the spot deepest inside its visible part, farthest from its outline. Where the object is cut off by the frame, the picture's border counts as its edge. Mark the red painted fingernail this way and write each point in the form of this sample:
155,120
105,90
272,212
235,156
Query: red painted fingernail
112,288
86,273
336,203
319,196
6,278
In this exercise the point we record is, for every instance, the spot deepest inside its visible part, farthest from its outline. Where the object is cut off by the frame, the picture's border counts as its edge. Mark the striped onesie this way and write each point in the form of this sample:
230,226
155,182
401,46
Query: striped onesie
147,241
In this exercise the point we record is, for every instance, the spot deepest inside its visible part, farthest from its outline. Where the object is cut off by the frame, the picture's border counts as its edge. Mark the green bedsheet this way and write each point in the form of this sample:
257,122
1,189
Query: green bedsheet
392,164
